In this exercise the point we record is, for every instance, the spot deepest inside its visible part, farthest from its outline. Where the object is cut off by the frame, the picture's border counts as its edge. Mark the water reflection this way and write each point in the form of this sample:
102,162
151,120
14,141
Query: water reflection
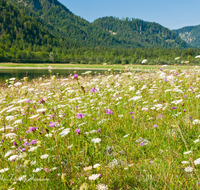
36,73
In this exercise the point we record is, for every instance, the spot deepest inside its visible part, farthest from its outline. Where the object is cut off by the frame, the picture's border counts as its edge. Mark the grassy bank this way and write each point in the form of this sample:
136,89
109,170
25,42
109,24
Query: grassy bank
84,66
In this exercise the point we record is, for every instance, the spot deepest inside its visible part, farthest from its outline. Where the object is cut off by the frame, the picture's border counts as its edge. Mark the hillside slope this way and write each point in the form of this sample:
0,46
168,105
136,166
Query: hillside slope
62,22
134,33
190,34
19,31
146,34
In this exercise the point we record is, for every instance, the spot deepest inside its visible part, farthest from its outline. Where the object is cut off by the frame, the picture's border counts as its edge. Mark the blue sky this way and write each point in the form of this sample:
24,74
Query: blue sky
172,14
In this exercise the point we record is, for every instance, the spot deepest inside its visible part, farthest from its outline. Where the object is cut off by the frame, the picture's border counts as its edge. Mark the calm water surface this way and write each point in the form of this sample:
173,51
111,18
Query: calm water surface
36,73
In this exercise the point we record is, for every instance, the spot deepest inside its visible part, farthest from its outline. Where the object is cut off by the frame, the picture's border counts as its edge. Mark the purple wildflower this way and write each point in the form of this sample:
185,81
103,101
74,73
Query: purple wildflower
184,110
165,80
31,128
52,116
76,76
99,130
175,73
160,116
190,118
15,143
141,144
93,90
155,126
78,131
184,96
41,101
46,169
23,149
52,124
80,115
174,108
25,144
33,142
109,112
121,152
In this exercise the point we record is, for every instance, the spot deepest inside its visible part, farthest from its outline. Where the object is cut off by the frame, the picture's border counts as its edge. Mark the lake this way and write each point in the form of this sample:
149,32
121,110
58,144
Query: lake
36,73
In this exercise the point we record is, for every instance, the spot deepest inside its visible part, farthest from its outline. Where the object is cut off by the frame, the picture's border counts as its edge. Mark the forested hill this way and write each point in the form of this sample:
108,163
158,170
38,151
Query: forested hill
147,34
62,22
54,16
19,31
191,34
135,33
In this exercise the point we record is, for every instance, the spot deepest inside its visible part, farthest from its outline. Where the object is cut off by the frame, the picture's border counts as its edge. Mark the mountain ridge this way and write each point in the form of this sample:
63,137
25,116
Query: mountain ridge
149,33
60,21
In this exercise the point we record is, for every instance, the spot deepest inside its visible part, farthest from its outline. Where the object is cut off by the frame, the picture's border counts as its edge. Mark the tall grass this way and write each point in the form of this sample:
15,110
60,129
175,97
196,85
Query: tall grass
126,131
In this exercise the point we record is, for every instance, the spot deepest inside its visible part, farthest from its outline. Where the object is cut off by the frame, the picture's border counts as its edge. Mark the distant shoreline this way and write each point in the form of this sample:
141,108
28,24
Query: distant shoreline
54,68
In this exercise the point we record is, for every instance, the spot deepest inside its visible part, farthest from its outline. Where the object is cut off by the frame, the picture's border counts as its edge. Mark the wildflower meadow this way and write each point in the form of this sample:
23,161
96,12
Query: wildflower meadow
131,130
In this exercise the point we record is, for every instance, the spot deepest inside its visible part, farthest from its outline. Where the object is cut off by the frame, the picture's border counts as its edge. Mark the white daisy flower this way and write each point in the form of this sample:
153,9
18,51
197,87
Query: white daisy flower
184,162
187,152
96,165
14,157
94,176
4,170
45,156
97,140
32,149
197,161
189,169
37,170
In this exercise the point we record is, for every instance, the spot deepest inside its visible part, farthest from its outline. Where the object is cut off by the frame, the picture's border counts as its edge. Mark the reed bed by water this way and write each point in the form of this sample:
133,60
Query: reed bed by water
124,131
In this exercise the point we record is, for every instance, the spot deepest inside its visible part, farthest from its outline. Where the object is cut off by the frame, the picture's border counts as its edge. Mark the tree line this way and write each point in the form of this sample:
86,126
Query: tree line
100,55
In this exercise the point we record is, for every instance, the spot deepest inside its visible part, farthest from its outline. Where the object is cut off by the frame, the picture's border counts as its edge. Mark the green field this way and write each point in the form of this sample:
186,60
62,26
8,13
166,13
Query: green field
84,66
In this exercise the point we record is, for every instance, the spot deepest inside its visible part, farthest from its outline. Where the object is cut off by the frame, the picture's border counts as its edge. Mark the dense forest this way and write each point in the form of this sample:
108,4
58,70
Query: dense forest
20,32
46,31
100,55
129,33
144,34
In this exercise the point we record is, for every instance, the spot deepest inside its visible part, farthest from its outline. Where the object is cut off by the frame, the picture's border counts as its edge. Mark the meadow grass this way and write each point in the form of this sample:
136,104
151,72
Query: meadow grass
87,66
125,131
